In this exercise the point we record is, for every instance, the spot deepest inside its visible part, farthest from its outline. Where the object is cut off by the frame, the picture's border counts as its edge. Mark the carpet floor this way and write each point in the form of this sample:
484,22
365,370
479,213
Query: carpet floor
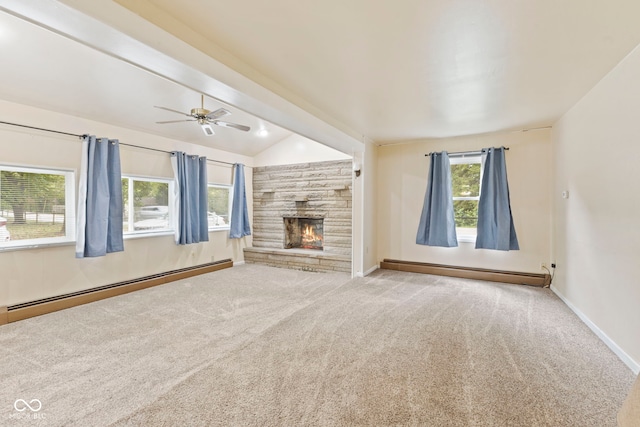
261,346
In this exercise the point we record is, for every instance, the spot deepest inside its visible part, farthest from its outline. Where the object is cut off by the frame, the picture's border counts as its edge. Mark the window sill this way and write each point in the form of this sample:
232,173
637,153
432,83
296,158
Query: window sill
29,246
140,235
227,228
466,239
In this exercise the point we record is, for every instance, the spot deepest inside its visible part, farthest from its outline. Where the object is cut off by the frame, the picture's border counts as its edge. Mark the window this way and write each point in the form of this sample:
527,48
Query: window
219,208
36,206
466,176
146,205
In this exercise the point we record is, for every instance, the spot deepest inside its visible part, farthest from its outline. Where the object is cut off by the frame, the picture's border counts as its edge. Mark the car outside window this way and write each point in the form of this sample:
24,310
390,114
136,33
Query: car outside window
146,204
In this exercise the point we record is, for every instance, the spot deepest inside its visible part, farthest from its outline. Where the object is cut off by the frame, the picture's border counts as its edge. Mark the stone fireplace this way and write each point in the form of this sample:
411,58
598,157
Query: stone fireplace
302,216
303,233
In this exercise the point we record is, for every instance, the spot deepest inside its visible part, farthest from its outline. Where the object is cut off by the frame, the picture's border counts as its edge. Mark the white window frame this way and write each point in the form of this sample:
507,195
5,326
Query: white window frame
227,226
69,209
464,160
170,229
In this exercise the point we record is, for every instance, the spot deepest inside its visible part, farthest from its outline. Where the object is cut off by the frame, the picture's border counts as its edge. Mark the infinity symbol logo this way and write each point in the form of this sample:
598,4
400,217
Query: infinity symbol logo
21,405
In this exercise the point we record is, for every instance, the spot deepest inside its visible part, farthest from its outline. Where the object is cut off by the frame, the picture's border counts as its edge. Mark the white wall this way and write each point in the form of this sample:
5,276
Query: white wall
596,147
297,149
365,213
369,210
402,181
32,274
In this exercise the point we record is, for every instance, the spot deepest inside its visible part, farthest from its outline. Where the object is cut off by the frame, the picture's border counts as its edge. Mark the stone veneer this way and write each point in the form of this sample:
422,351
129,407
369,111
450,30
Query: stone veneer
321,189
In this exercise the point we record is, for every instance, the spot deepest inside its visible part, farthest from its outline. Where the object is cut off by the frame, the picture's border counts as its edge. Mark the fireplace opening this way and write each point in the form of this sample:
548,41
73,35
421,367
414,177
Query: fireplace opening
303,233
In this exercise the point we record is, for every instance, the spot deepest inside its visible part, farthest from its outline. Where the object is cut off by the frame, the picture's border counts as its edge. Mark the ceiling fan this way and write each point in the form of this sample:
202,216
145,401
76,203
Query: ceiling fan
205,118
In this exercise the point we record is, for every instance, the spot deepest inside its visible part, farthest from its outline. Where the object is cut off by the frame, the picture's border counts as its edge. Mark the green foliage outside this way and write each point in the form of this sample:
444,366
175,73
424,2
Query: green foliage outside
465,180
25,192
146,193
35,201
219,201
35,230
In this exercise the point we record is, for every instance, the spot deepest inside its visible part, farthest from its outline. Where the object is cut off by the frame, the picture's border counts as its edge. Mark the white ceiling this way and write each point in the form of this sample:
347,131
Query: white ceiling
393,71
43,69
411,69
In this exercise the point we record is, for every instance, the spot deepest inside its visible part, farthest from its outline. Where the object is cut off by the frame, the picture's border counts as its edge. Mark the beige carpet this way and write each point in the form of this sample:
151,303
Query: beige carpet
255,345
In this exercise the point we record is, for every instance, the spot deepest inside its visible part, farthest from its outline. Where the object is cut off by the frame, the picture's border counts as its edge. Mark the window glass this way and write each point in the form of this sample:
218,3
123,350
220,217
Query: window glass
466,214
465,179
465,182
36,206
146,205
219,206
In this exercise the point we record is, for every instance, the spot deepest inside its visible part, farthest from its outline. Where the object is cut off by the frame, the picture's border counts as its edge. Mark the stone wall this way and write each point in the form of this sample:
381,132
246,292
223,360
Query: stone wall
321,189
295,259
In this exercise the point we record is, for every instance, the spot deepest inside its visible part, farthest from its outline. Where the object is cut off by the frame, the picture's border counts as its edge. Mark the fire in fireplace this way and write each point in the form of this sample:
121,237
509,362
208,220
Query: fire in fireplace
303,233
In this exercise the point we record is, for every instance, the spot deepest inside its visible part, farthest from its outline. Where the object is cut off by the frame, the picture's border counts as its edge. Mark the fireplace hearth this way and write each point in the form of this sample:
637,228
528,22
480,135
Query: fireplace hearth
303,233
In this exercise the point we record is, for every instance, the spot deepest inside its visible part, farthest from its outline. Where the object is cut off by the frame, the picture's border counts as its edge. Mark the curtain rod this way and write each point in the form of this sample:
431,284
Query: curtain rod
46,130
122,143
465,153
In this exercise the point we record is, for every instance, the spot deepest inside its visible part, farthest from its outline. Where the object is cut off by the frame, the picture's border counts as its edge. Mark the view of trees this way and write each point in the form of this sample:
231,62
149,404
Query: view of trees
23,192
31,203
151,194
465,180
34,203
219,201
146,193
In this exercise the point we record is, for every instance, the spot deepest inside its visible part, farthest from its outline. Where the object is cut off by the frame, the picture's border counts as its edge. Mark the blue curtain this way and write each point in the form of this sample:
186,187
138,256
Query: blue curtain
191,198
437,223
239,214
99,222
495,222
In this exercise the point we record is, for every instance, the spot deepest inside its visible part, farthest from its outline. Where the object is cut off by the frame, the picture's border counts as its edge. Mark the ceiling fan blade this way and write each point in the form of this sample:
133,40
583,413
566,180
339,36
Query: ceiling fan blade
175,121
231,125
220,112
173,111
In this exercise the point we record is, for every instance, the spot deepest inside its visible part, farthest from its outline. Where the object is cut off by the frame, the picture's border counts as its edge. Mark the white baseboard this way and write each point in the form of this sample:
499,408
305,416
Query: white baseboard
368,272
632,364
237,263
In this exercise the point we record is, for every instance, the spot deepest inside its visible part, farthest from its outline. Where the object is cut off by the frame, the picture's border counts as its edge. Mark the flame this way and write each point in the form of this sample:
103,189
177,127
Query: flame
309,236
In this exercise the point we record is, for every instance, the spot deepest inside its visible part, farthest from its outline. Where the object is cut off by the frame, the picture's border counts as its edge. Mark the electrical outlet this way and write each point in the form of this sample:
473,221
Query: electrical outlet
543,265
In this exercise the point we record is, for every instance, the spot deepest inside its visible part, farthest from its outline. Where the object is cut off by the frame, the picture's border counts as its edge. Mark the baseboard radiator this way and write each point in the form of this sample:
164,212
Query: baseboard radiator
23,311
530,279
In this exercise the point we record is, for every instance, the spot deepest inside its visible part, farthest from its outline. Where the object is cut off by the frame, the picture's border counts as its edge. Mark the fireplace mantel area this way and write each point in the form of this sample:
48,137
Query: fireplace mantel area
302,216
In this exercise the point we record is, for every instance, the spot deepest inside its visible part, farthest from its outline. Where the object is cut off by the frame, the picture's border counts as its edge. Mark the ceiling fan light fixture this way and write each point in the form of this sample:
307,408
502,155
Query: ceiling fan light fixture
205,118
207,129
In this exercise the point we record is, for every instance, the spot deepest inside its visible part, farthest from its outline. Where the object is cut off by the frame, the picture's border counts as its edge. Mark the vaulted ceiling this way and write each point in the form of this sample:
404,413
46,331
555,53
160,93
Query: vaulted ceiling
45,70
402,70
392,71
